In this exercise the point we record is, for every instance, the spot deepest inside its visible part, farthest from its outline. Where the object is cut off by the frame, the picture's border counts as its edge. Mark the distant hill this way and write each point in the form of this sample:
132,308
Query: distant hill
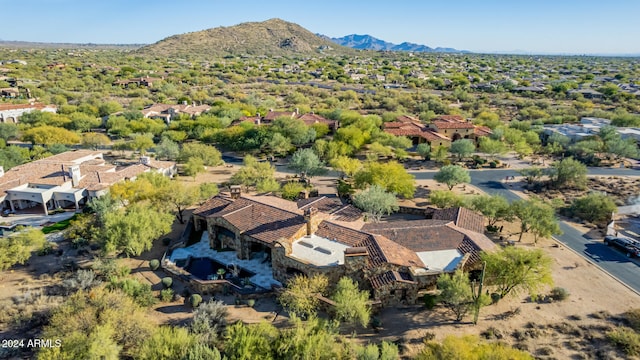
43,45
368,42
268,38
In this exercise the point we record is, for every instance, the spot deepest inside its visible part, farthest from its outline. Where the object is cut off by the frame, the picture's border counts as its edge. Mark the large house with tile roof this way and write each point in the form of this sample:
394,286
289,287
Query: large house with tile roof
68,180
396,261
442,131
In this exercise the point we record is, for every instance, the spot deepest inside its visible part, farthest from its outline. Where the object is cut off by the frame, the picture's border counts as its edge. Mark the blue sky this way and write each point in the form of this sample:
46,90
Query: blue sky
536,26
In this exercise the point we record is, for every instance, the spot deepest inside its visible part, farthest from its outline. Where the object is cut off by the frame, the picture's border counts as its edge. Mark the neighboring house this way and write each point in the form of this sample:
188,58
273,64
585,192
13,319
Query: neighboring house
442,131
10,113
10,93
588,93
68,180
589,126
168,112
145,81
533,89
396,261
309,119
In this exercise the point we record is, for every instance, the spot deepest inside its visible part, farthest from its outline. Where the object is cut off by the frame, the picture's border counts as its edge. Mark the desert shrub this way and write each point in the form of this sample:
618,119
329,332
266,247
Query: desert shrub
430,301
632,317
81,280
154,264
492,333
625,339
140,293
195,300
545,351
495,297
167,282
559,294
251,303
46,249
291,190
166,295
493,164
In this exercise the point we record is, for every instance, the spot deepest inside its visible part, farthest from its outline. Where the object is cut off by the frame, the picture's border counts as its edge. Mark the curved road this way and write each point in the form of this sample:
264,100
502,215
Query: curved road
608,259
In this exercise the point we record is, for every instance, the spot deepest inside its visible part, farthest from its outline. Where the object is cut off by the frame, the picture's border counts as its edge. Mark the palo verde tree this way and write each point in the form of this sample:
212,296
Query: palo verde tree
494,207
462,148
452,175
512,269
307,163
536,217
392,176
17,248
568,173
455,293
352,304
375,201
299,294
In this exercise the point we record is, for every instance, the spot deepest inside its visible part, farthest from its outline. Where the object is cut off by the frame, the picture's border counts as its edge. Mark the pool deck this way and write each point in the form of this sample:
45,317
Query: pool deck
263,273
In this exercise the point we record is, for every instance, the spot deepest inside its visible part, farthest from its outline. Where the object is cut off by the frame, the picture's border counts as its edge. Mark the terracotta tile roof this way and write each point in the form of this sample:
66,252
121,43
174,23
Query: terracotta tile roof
311,118
262,222
272,115
394,253
413,129
342,234
332,206
159,164
212,206
461,217
406,118
452,124
390,277
482,131
35,106
474,243
449,118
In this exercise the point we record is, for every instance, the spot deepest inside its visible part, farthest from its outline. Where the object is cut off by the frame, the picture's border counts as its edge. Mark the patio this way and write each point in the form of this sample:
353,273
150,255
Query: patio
263,273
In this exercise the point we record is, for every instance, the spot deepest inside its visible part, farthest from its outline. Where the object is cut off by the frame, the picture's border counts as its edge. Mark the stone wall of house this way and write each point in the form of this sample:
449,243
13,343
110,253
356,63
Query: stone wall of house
281,262
411,210
397,293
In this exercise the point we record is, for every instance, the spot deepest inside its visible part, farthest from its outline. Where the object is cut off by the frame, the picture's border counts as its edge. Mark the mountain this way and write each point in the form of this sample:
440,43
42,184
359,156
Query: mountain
274,37
368,42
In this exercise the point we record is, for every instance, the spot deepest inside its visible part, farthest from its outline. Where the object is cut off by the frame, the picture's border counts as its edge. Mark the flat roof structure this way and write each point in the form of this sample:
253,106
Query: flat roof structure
319,251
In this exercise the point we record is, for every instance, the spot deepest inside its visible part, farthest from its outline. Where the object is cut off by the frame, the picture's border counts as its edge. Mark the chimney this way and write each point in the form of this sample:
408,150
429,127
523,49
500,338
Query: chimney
145,160
74,172
236,191
309,217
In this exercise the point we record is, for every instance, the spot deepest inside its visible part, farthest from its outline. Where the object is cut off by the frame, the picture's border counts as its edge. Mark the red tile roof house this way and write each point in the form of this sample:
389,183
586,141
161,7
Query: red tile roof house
396,261
309,119
10,113
442,131
67,180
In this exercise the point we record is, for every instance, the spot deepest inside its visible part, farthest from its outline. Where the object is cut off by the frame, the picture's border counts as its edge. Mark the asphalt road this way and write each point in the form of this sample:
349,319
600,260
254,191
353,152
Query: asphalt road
608,259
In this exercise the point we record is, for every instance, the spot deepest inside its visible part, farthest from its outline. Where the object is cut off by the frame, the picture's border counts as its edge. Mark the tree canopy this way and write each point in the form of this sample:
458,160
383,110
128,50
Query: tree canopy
375,201
452,175
392,176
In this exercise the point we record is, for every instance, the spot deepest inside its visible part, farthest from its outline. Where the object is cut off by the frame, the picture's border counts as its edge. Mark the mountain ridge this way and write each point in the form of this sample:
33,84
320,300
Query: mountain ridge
368,42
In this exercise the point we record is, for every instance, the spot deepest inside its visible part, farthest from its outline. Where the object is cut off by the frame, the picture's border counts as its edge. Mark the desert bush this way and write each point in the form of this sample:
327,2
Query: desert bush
154,264
195,300
140,292
166,295
492,333
625,339
632,317
430,301
251,303
81,280
46,249
167,282
559,294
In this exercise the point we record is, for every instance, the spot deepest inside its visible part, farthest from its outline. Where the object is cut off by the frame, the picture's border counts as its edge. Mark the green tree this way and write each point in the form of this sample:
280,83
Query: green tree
108,108
248,342
193,167
494,207
536,217
168,342
207,191
567,173
349,166
595,207
97,323
532,174
210,155
167,149
492,147
83,122
307,163
132,230
8,131
469,348
180,196
452,175
293,129
141,142
291,190
462,148
375,201
253,172
17,248
455,293
49,135
278,145
93,140
392,176
352,304
445,199
439,153
512,269
299,297
424,150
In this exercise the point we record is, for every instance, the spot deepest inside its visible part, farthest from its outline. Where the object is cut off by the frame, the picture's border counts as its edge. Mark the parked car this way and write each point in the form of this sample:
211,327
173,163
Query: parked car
630,247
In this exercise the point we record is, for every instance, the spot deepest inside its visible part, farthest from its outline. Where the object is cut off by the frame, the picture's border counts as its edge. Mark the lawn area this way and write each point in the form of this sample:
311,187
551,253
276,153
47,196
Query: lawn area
58,226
